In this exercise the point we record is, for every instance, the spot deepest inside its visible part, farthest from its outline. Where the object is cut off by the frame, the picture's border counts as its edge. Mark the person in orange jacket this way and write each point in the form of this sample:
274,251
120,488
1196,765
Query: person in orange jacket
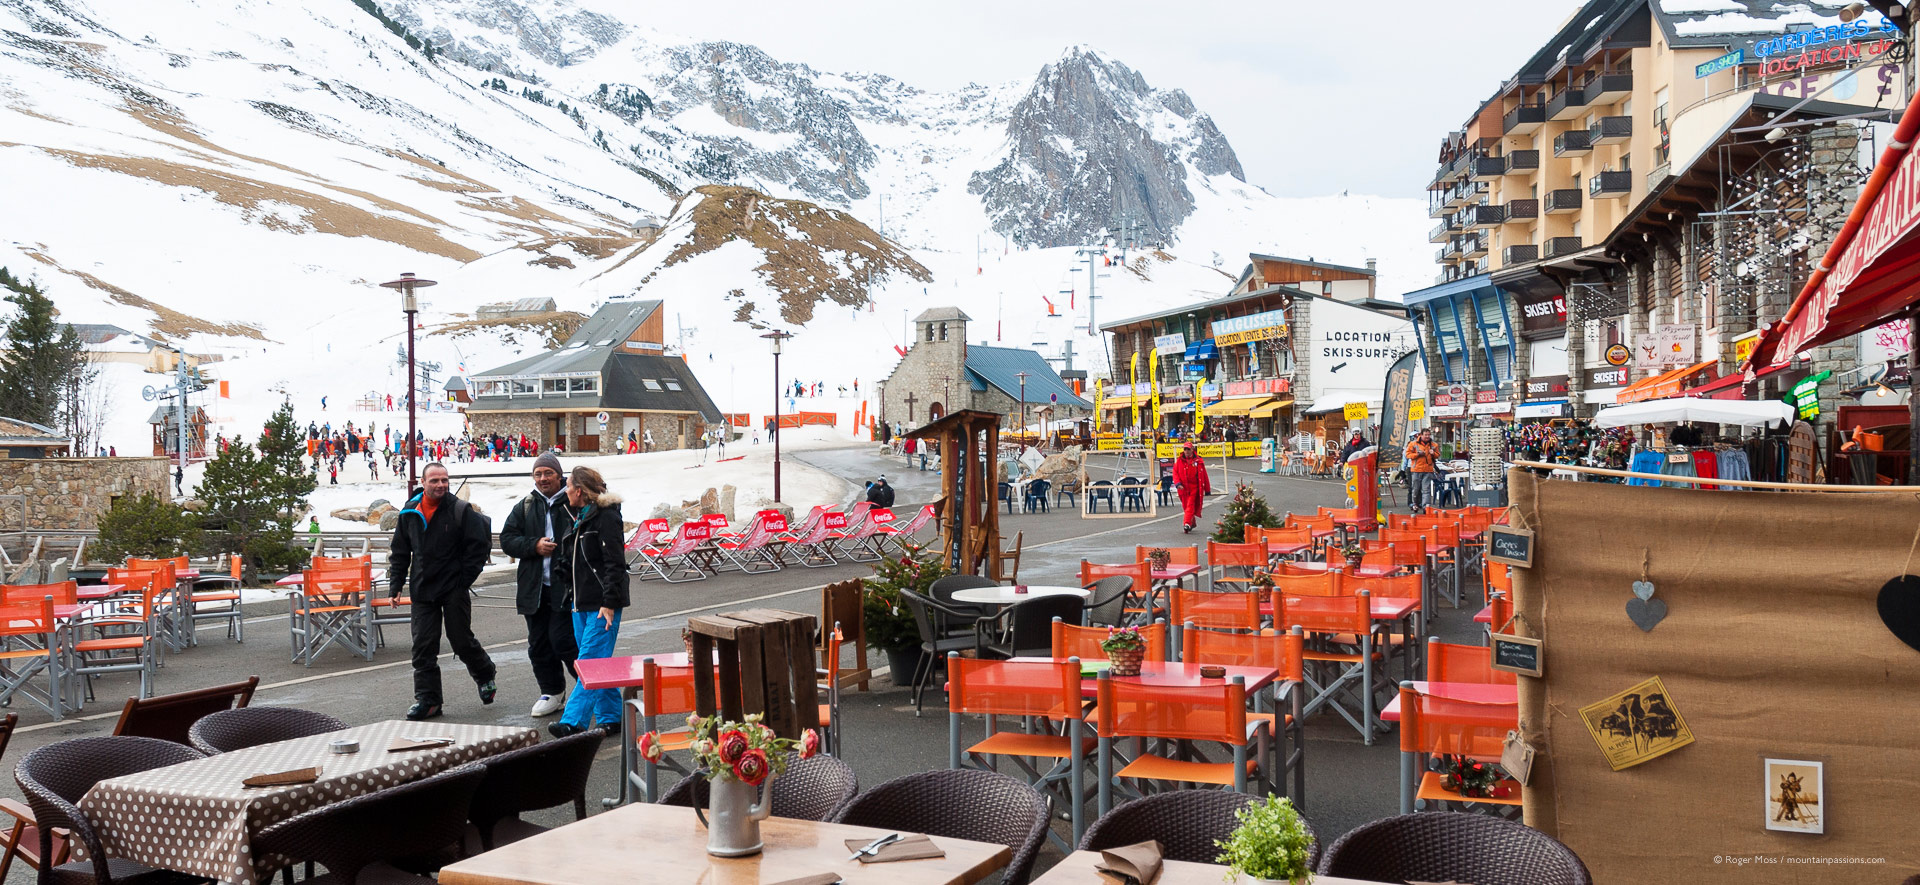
1190,480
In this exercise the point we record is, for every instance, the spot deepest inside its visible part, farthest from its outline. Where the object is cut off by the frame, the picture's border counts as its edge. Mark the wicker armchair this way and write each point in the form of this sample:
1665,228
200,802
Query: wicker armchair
348,837
1185,821
811,789
960,803
1106,604
544,775
54,778
1440,846
243,727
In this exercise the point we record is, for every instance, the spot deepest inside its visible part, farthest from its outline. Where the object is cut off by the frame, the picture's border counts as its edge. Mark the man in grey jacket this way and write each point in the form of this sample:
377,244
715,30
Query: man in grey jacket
528,536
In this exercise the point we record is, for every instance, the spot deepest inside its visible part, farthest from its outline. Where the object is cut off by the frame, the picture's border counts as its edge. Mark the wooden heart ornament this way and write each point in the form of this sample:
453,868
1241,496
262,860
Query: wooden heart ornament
1900,608
1647,614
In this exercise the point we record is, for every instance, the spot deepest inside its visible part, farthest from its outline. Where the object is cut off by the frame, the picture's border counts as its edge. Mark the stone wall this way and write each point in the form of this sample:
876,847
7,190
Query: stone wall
931,372
64,494
507,424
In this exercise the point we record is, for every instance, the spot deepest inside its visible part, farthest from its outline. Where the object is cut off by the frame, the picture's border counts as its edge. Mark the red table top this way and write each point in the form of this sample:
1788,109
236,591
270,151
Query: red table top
1384,608
1485,616
99,591
1174,572
1495,701
1171,673
1352,520
627,671
1365,571
1284,548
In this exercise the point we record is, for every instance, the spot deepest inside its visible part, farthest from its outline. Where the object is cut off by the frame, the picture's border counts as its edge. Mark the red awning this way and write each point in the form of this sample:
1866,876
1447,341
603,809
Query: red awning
1871,273
1728,387
1663,385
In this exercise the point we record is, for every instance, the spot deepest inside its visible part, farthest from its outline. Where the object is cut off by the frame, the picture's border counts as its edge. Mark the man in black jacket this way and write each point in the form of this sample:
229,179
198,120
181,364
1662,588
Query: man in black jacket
879,494
439,548
528,536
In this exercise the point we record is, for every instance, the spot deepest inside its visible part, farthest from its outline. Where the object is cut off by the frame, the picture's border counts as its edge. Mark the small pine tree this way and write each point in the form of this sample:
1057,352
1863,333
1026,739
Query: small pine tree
41,359
282,451
244,512
1245,508
146,525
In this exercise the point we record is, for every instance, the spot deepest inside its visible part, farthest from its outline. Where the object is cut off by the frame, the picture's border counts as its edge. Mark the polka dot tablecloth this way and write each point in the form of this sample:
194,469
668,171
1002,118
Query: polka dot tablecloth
198,818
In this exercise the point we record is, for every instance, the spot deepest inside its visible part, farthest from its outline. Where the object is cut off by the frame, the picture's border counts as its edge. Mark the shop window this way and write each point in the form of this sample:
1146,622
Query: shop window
583,385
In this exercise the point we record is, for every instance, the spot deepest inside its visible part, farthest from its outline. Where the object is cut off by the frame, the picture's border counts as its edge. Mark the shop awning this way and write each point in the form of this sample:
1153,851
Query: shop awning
1871,273
1698,411
1665,384
1268,409
1730,387
1236,406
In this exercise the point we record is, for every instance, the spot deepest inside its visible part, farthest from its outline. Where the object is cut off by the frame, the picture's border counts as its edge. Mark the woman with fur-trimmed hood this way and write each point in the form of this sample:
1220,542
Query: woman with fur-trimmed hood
590,566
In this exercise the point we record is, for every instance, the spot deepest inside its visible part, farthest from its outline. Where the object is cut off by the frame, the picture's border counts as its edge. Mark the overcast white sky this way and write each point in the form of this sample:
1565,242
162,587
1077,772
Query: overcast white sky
1316,98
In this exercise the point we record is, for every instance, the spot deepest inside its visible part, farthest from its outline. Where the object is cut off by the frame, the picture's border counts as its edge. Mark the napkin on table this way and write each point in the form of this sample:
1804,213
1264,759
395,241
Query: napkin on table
402,744
913,847
284,778
1136,864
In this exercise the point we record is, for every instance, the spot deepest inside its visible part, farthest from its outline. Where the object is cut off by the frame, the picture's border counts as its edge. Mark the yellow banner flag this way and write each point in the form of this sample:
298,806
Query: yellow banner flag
1199,407
1133,388
1153,376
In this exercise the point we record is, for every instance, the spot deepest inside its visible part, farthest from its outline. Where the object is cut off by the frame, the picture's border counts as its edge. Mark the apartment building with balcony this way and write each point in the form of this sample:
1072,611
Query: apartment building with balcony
1574,196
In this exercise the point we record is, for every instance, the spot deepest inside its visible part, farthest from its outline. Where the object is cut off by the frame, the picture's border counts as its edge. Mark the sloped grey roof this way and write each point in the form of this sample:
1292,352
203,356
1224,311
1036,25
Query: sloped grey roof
552,362
937,314
614,321
997,366
1739,23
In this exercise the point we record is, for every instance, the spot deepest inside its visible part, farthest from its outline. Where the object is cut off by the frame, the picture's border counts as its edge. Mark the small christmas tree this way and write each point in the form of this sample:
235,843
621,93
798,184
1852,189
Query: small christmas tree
1245,508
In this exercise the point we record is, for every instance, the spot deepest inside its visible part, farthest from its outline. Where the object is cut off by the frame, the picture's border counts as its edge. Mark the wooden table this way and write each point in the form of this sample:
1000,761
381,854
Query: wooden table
667,845
1007,596
1077,869
196,817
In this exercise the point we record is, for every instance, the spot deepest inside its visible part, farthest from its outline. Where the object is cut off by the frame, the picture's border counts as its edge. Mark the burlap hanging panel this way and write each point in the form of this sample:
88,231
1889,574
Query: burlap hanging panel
1772,647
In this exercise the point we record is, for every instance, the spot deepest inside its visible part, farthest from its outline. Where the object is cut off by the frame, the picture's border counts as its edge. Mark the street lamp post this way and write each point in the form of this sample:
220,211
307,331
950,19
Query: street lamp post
410,304
774,340
1023,401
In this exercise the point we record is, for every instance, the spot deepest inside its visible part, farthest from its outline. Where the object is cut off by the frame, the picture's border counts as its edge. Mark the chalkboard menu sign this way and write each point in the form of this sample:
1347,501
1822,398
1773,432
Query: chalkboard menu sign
1510,545
1516,654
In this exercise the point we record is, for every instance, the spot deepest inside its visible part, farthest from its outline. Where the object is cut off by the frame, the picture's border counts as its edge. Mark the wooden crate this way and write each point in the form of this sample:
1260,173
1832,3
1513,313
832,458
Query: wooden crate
765,665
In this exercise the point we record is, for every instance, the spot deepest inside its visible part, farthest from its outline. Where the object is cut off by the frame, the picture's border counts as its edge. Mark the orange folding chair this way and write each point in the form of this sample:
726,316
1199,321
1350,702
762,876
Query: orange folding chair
1452,662
1282,542
1249,558
1039,693
127,630
1208,713
175,622
1074,641
30,648
1282,652
1107,606
334,606
1335,669
1434,725
662,698
1237,610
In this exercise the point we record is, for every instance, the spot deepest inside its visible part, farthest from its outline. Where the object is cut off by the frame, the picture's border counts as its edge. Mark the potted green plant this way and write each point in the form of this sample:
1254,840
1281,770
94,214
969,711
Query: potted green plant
1261,579
889,623
1159,557
1126,648
1270,845
1353,552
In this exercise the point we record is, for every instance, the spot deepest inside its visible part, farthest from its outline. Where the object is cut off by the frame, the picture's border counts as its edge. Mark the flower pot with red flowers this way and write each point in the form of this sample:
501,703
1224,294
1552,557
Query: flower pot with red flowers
1126,648
1353,553
1159,558
740,761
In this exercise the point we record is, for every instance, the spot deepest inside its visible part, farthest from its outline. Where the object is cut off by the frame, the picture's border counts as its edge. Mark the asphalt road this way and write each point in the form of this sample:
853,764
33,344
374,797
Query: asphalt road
1347,783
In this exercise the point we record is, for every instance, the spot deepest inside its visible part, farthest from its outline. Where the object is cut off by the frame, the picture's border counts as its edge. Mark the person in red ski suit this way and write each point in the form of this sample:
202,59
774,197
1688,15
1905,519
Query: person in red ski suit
1190,479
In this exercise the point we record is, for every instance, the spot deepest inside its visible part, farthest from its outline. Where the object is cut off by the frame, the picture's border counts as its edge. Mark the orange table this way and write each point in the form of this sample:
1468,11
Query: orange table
1175,673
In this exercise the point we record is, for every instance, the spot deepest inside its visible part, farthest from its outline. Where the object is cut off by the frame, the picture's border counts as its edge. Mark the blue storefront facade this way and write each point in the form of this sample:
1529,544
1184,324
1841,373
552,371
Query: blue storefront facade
1467,346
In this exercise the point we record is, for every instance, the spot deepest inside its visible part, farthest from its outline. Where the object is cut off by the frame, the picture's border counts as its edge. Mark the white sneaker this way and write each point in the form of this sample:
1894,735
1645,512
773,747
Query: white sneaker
549,704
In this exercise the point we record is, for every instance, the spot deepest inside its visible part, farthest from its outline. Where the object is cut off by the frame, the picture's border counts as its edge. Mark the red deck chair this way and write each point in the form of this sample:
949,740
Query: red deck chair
676,563
754,552
815,549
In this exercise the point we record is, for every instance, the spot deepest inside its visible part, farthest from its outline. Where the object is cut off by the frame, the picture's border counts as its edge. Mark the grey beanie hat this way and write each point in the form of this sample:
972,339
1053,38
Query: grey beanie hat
548,459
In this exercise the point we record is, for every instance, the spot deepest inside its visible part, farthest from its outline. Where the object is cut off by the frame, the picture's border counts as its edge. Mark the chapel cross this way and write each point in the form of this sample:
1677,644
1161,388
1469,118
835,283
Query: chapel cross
911,399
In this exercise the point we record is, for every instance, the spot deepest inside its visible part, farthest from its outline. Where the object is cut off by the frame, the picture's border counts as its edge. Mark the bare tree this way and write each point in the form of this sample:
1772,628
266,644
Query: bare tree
85,401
